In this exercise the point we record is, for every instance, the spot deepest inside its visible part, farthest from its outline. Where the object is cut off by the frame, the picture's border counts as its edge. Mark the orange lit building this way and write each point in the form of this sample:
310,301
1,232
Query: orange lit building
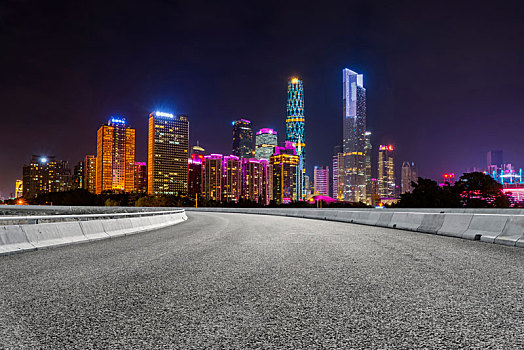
386,172
115,159
168,147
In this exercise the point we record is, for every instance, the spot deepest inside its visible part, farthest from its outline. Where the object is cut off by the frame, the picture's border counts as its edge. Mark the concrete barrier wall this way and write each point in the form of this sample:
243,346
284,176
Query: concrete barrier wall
500,226
27,237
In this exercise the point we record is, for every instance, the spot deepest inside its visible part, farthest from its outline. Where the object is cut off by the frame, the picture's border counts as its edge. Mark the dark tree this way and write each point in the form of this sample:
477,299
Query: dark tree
478,190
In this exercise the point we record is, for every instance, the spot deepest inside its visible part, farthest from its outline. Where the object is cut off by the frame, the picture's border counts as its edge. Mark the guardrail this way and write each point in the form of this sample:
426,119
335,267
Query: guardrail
500,226
27,233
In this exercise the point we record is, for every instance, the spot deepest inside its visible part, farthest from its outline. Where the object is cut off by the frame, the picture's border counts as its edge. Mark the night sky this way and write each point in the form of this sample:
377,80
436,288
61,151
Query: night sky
444,80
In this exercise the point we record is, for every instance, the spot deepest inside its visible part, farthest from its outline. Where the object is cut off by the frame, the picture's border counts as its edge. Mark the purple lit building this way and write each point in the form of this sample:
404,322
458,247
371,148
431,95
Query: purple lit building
285,163
194,175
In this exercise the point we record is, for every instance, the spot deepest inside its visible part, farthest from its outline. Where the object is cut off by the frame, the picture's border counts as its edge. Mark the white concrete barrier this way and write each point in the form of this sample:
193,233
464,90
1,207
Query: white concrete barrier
455,225
406,221
13,239
431,223
384,219
118,227
485,227
512,232
53,234
93,230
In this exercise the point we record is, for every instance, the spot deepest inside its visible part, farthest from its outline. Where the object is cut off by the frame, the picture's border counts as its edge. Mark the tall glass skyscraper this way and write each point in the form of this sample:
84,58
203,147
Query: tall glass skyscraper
295,124
242,139
265,143
354,137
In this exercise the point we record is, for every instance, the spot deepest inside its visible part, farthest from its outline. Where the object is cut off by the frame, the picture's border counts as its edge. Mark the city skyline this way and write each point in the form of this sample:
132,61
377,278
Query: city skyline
66,96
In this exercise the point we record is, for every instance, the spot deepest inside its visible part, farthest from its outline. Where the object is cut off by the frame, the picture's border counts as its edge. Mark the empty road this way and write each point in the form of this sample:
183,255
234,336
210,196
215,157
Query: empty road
236,281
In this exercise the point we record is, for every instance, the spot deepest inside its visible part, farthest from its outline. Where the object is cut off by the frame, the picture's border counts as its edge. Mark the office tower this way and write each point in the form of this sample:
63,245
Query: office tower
386,173
409,175
90,173
19,188
321,181
115,156
231,178
295,128
495,160
354,137
242,139
197,149
337,152
45,174
265,143
194,175
167,154
78,176
212,177
140,177
368,149
285,163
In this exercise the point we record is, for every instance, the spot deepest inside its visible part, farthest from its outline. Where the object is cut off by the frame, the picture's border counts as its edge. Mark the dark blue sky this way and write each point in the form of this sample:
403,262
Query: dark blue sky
444,80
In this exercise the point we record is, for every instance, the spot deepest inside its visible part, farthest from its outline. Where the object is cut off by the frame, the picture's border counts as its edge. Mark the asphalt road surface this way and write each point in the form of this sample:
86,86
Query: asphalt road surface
237,281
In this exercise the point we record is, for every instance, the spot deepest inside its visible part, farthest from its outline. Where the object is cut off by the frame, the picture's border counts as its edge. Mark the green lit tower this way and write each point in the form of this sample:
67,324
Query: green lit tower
295,122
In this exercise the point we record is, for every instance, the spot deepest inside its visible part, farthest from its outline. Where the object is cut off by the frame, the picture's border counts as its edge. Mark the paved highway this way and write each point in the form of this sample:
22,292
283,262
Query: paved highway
227,281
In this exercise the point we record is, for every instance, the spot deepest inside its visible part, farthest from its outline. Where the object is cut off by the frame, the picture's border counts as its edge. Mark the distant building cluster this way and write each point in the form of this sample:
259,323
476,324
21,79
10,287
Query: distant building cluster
259,168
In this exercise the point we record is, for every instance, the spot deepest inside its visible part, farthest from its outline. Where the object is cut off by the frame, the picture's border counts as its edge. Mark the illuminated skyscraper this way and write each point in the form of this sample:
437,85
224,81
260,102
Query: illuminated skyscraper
242,139
337,154
369,185
321,181
78,176
409,175
19,189
140,177
194,175
45,174
197,149
90,173
285,164
354,137
265,143
212,178
168,148
115,156
386,172
295,128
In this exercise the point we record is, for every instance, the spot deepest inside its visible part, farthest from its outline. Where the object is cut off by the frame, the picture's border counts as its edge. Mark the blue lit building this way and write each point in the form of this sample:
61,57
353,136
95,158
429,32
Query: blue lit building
353,173
295,123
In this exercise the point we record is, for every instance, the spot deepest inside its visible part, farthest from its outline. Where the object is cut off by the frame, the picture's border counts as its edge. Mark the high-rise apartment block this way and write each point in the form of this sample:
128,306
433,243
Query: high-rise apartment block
285,164
168,147
265,142
386,173
212,175
231,179
242,139
409,175
367,151
115,157
321,181
45,174
354,137
78,176
194,175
